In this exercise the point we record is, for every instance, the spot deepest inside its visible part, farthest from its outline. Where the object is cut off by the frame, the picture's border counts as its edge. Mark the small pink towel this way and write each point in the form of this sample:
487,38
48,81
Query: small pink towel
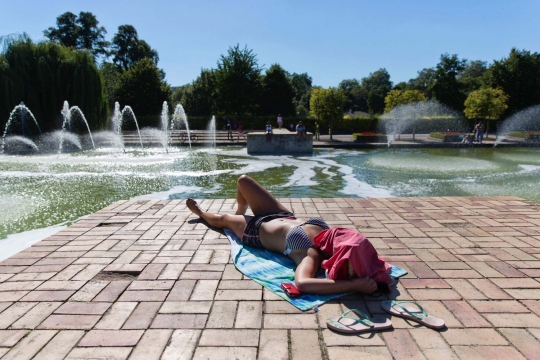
343,245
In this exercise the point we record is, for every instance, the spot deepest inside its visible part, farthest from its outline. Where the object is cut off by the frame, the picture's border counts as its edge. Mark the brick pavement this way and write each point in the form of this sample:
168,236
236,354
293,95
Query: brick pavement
141,280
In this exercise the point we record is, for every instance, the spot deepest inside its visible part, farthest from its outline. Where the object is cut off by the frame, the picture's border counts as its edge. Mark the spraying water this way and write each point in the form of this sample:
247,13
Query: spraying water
129,110
67,114
166,139
212,130
23,111
180,117
525,120
407,117
116,119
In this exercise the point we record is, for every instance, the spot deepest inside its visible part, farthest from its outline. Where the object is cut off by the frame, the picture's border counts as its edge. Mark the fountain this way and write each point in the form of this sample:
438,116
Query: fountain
67,113
108,139
165,138
403,117
525,120
116,119
212,130
22,142
23,111
180,116
129,110
49,142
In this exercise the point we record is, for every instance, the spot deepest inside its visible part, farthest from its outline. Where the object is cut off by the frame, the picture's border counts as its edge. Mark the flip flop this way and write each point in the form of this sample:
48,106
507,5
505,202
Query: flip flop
412,311
364,323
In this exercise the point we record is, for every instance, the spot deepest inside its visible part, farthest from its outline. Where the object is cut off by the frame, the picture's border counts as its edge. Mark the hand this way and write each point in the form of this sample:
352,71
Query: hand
364,285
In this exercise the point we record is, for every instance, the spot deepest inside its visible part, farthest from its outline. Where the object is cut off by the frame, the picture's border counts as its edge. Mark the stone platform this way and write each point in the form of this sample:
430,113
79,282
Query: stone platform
282,142
142,280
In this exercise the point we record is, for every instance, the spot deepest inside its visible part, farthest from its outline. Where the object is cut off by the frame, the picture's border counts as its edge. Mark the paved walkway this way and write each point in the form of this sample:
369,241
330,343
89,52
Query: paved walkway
475,262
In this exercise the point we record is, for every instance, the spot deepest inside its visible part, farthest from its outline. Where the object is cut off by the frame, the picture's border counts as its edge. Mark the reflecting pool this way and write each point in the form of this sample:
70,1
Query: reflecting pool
40,191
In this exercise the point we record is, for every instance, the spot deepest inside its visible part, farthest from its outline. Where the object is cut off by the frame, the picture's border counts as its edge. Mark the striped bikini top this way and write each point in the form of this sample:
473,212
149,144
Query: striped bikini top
297,238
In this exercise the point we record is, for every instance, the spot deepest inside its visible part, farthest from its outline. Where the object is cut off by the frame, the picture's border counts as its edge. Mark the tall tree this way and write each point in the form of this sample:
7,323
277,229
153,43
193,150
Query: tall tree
128,49
199,97
350,89
238,81
377,85
141,87
327,106
45,74
277,92
112,77
486,103
423,82
301,84
398,97
470,78
447,89
82,32
518,76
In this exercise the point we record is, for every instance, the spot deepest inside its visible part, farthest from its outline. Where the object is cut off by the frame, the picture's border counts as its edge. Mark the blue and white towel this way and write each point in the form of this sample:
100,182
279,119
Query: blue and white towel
271,269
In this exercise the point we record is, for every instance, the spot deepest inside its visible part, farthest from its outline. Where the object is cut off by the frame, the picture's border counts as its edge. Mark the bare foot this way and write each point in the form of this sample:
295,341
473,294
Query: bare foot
193,206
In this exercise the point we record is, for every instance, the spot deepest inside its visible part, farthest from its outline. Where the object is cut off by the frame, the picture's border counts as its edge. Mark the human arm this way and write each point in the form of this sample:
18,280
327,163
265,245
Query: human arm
306,282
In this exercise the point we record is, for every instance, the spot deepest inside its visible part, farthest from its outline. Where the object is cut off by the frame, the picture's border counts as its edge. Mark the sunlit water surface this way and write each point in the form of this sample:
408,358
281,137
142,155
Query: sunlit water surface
41,191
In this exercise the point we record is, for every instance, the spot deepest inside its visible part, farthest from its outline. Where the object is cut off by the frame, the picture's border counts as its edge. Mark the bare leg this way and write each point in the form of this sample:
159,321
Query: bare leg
251,193
236,223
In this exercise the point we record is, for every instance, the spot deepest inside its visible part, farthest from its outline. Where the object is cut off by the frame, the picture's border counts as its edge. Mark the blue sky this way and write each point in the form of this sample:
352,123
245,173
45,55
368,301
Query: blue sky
330,40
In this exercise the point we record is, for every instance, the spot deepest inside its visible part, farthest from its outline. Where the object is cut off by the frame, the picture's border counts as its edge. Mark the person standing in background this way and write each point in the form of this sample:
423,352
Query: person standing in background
300,131
279,121
479,128
268,131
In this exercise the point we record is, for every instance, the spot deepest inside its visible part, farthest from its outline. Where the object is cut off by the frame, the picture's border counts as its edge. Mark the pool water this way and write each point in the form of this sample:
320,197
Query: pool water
39,191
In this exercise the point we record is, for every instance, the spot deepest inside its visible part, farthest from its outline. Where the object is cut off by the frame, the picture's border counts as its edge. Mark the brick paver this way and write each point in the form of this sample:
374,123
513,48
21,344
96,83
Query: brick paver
140,280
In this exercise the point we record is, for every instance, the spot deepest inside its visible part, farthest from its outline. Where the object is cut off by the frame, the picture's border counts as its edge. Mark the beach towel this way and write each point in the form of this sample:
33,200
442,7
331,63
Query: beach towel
270,269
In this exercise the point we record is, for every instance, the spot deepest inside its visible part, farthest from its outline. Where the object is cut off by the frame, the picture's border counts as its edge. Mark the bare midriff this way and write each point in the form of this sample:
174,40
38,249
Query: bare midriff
274,232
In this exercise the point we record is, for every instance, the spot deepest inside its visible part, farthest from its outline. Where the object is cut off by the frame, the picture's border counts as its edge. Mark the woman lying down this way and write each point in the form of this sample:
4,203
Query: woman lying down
350,260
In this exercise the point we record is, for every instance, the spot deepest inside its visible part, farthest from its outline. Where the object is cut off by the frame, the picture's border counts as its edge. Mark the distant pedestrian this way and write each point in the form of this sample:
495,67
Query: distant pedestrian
291,127
241,131
268,131
229,130
479,128
300,131
279,121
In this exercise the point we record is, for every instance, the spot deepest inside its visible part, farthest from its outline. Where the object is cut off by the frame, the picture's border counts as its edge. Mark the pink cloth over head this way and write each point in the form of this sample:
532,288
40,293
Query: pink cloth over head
343,245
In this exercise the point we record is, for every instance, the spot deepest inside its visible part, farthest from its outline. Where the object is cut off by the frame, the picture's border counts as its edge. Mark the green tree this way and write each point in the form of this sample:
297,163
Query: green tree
398,97
423,82
327,106
277,92
301,84
238,81
111,80
447,89
141,87
128,49
302,112
377,85
45,74
82,32
350,88
199,97
401,86
518,76
486,103
470,78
